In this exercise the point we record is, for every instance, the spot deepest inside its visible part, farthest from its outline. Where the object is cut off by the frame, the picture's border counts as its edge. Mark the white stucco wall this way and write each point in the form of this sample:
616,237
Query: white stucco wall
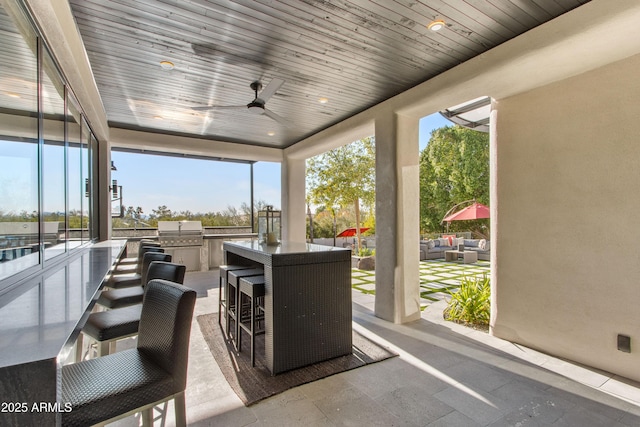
568,236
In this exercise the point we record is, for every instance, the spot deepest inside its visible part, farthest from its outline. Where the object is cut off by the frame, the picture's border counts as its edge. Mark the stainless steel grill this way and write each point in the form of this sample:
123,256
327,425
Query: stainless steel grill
180,233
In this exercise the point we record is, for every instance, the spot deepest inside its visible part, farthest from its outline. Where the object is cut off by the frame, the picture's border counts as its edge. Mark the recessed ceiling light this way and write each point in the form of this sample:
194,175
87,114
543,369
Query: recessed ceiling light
323,100
158,117
12,94
436,25
271,133
167,65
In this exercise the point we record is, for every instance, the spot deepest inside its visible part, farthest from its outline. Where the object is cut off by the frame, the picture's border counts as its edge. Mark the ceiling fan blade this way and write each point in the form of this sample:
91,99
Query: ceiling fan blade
219,107
270,89
276,117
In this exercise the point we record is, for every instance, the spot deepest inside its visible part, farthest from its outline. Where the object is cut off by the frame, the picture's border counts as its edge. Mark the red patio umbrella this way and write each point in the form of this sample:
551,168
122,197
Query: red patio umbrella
350,232
474,211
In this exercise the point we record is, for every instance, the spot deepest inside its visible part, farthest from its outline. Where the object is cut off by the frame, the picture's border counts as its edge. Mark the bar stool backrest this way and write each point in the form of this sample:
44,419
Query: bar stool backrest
148,258
165,327
143,250
167,271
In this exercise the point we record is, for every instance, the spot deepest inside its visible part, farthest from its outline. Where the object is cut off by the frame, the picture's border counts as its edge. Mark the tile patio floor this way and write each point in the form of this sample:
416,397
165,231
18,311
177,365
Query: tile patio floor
446,375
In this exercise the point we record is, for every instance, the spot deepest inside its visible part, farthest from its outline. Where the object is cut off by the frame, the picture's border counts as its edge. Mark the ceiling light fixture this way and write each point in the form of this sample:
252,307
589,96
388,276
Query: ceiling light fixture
158,117
436,25
13,95
323,100
271,133
166,65
255,108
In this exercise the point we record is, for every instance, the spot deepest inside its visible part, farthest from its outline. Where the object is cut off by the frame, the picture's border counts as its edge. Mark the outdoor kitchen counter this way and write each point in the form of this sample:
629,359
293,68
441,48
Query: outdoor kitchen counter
40,320
214,257
307,300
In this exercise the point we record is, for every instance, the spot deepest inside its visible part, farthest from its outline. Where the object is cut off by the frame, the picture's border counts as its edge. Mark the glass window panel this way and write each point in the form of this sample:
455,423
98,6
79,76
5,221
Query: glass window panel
266,187
19,230
74,172
215,192
86,178
53,161
267,184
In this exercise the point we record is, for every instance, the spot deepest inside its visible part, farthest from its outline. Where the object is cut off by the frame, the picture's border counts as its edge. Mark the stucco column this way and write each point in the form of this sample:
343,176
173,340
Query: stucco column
494,202
397,219
293,199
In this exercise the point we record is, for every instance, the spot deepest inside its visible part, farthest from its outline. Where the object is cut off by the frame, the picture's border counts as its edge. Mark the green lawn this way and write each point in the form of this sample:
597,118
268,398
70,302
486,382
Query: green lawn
436,277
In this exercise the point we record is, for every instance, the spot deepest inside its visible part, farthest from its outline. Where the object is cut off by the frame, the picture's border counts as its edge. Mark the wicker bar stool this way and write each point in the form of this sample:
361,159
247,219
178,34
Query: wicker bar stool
159,268
108,388
107,327
134,260
222,287
233,294
252,288
132,265
150,254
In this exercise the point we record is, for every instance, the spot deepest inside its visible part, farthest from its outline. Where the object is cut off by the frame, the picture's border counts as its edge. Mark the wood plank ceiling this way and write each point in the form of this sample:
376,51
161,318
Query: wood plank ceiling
353,53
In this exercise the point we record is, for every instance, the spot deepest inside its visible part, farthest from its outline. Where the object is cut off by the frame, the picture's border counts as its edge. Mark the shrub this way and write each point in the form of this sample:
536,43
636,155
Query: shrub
366,252
471,303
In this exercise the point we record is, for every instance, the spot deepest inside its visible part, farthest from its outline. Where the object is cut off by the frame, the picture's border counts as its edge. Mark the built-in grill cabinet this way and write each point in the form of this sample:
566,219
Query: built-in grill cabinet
183,241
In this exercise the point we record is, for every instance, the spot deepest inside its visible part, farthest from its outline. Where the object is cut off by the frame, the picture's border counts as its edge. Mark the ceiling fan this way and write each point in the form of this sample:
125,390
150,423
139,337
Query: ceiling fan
257,106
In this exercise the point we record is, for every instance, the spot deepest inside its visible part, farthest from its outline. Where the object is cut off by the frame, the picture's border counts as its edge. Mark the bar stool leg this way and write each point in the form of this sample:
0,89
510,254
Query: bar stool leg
253,332
103,348
79,348
147,417
180,410
220,299
227,291
238,321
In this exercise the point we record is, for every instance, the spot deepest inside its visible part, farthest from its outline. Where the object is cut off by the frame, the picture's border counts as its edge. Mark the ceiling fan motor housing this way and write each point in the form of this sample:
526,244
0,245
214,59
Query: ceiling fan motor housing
256,107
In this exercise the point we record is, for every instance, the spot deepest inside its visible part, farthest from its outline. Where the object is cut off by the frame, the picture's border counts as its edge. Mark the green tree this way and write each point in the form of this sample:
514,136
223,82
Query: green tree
258,205
162,213
344,177
454,167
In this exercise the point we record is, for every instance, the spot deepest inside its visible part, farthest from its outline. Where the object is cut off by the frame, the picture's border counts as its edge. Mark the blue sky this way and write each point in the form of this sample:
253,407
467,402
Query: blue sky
204,186
181,184
429,123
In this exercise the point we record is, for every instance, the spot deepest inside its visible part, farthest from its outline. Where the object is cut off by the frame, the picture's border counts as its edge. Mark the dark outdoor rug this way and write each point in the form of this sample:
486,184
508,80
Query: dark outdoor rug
254,384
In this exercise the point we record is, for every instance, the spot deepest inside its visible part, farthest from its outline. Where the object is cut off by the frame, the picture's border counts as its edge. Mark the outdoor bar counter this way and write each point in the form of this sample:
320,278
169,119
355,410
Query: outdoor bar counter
40,320
307,300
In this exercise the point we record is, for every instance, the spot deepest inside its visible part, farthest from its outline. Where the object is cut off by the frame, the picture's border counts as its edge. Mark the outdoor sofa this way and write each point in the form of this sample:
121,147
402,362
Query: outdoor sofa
435,248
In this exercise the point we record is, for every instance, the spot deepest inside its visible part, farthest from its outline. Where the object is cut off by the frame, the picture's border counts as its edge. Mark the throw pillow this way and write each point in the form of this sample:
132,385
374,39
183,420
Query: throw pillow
482,244
431,244
443,242
451,238
471,243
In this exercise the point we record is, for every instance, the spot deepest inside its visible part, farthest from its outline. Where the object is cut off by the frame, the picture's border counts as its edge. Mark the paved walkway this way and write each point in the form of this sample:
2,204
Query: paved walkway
437,277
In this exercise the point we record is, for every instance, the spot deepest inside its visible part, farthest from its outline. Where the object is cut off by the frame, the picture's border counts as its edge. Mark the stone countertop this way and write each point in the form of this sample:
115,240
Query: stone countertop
286,253
42,316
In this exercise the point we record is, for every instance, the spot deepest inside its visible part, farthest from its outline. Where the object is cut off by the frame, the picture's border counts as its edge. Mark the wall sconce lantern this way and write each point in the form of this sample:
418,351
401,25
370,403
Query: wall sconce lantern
269,226
117,211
